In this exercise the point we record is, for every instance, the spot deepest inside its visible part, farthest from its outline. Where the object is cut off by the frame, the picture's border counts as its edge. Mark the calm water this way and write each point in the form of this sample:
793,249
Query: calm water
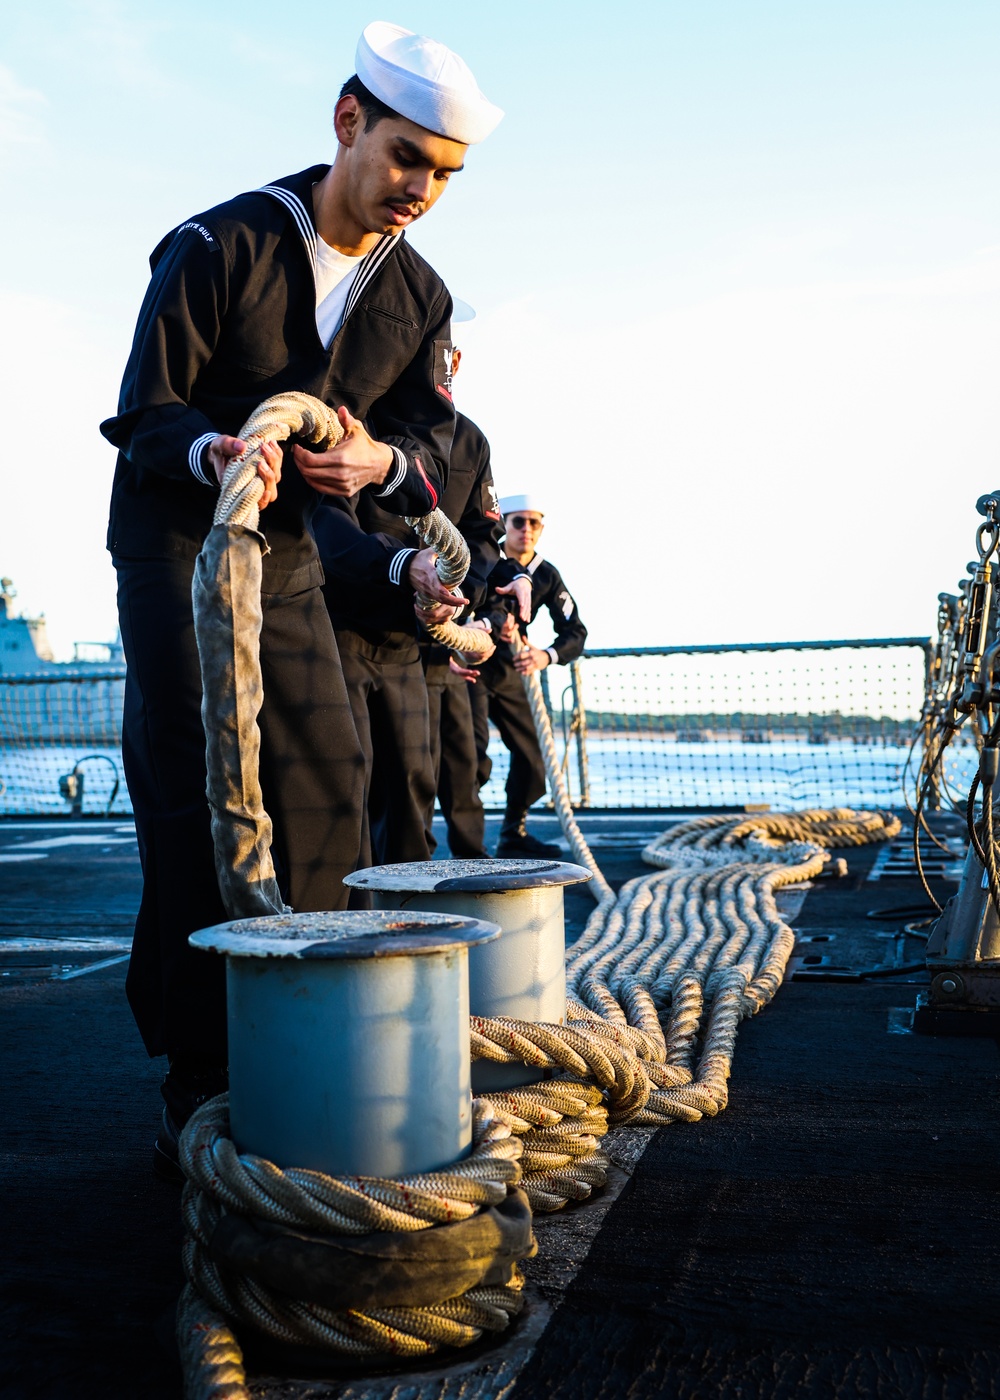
623,773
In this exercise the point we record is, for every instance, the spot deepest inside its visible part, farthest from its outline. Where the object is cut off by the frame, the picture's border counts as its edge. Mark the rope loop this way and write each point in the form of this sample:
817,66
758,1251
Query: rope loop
280,417
452,564
700,942
223,1181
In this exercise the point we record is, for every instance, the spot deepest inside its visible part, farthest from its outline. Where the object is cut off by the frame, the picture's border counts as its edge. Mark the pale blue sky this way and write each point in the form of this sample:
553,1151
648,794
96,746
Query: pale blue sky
737,268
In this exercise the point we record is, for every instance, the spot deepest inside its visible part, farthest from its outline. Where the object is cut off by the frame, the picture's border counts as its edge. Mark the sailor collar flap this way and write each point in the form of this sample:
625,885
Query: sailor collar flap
289,193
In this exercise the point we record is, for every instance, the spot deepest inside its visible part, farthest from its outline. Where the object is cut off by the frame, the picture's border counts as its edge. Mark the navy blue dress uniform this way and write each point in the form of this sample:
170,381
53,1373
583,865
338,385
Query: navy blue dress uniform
499,695
366,552
470,501
229,319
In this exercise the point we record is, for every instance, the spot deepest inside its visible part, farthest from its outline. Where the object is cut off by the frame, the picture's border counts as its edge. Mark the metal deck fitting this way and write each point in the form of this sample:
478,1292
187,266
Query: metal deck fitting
348,1038
523,974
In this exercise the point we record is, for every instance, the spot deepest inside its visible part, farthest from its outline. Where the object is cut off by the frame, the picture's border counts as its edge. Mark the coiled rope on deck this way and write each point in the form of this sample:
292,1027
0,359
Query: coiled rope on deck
222,1181
699,942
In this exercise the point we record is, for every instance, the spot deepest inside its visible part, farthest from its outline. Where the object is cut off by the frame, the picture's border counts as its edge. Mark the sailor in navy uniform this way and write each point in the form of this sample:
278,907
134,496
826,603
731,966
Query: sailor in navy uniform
470,500
306,284
499,695
373,563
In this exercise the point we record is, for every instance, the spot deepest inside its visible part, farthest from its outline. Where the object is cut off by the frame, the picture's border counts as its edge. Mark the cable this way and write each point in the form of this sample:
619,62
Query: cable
897,911
892,971
990,847
970,818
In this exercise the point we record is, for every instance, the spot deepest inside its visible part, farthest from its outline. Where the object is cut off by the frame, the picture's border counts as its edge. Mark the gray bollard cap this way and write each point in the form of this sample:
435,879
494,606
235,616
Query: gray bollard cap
467,876
351,933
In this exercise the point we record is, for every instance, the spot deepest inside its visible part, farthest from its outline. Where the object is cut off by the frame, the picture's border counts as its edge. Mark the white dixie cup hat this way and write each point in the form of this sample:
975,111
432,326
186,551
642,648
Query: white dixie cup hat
424,81
509,504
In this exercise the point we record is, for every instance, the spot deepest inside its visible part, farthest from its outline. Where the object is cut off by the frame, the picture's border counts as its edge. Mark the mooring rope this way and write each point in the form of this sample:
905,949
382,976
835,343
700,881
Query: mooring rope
228,618
452,565
280,417
700,942
300,415
222,1181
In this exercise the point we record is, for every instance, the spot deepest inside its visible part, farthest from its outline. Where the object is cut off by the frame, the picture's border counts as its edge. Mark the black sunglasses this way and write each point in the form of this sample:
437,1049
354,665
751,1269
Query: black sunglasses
520,521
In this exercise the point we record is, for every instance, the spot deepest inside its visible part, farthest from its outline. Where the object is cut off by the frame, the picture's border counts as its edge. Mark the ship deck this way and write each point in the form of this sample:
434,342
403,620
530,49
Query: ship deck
833,1233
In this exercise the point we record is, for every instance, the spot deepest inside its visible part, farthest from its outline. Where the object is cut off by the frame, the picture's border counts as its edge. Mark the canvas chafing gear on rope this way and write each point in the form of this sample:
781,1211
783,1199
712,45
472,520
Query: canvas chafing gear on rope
228,622
328,1262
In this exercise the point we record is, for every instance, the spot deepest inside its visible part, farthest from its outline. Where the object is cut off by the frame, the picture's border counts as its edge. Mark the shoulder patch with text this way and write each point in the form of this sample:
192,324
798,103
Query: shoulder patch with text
194,226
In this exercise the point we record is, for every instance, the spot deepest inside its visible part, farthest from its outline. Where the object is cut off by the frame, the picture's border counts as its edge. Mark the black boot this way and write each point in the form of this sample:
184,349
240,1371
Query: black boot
184,1089
516,840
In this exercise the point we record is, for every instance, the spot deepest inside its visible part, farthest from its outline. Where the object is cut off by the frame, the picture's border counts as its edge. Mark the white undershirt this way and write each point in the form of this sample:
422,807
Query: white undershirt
334,274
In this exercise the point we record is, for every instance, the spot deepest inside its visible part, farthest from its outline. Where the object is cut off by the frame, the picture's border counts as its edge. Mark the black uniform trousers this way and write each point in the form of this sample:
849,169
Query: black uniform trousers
312,779
455,761
385,686
499,695
479,701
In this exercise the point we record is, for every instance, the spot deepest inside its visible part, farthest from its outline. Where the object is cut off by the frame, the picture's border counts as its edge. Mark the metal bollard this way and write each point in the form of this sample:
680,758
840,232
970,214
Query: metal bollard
349,1038
523,974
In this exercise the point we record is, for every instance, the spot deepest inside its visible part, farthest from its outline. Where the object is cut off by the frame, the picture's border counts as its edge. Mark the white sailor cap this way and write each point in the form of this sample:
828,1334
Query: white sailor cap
424,81
509,504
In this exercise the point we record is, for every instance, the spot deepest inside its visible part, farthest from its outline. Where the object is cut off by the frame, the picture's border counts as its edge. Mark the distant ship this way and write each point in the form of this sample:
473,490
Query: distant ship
45,701
25,649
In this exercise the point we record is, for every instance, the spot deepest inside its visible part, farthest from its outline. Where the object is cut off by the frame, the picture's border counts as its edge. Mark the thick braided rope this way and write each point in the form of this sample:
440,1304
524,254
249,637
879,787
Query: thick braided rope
222,1180
438,533
213,1360
582,853
300,415
277,418
704,934
356,1205
701,941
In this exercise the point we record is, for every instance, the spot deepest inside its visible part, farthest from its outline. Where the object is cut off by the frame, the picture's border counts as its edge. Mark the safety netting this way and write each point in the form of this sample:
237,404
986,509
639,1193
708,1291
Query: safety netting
810,724
60,743
797,725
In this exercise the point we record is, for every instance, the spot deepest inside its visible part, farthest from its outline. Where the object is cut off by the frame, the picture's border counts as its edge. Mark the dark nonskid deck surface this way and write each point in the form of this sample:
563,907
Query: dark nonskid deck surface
833,1233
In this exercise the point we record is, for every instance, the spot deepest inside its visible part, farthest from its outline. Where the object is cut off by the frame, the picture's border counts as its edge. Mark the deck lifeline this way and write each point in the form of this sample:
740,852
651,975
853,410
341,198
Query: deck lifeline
834,1232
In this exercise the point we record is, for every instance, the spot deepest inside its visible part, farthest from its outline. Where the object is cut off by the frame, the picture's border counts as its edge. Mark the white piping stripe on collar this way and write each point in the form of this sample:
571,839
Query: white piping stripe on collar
301,216
534,563
369,267
365,270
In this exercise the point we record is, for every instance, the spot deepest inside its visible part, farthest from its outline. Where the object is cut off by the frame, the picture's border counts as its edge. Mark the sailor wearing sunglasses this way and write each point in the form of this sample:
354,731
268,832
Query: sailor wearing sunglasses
500,694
